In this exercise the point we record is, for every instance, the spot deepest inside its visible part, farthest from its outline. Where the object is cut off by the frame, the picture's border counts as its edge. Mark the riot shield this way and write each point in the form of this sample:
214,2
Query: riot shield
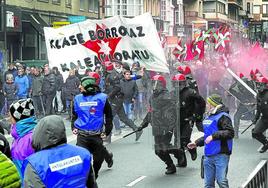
243,96
165,122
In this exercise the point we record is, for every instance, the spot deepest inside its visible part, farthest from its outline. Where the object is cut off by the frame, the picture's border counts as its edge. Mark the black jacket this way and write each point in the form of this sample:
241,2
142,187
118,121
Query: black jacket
49,84
262,105
224,133
129,89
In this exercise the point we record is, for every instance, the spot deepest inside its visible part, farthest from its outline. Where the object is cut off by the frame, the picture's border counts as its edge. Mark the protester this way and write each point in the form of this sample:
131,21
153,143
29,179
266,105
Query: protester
63,165
71,88
22,82
218,142
48,89
58,106
36,92
23,121
91,108
9,176
10,90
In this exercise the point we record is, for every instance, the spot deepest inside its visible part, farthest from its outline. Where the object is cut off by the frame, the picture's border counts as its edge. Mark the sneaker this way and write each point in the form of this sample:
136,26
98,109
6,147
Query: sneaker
138,135
193,154
110,161
264,148
171,169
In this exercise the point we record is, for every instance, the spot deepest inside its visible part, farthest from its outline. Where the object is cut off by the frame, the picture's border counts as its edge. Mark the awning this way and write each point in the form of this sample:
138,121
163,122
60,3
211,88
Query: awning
36,20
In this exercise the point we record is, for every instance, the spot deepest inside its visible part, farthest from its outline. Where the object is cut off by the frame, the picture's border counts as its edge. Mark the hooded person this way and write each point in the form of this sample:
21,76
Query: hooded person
23,121
92,120
56,163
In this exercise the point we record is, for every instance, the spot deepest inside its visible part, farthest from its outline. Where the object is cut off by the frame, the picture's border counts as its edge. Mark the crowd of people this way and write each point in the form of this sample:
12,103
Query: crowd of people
116,94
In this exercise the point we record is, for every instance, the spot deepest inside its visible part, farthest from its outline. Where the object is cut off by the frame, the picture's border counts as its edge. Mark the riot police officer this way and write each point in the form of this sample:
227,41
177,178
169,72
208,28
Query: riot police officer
192,107
191,82
261,118
245,109
162,118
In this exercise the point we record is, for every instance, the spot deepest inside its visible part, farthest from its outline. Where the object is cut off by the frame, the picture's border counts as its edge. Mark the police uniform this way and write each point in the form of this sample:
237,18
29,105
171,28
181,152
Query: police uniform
261,119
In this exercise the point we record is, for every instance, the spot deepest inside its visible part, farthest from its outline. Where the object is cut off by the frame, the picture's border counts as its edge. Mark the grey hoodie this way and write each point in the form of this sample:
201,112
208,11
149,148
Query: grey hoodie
50,132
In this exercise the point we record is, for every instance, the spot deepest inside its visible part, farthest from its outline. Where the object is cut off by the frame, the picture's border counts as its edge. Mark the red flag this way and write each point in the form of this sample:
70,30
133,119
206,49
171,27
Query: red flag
189,51
199,49
178,51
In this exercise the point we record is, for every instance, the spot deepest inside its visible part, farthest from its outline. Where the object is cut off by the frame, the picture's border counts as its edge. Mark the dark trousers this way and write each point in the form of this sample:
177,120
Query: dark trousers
259,129
118,108
163,148
47,100
94,145
38,105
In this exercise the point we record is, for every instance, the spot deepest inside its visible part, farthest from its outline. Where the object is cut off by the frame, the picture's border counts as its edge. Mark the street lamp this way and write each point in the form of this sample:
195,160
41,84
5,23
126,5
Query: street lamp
3,27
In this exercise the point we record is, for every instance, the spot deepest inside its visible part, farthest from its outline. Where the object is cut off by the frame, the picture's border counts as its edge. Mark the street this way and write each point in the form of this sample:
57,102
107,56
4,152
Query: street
136,165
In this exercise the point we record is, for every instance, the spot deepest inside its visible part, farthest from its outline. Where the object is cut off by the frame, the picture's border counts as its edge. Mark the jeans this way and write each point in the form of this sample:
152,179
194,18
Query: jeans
128,107
216,167
116,123
139,105
59,101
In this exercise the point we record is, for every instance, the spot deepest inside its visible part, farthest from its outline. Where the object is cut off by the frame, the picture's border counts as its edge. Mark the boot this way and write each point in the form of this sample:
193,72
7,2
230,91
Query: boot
193,153
171,169
110,160
138,135
182,161
264,148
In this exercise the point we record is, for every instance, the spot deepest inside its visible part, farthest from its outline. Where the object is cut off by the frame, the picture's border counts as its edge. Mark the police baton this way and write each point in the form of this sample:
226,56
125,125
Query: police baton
132,133
247,128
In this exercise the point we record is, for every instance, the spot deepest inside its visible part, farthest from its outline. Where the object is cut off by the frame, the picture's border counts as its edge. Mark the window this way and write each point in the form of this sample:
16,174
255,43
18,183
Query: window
248,7
93,5
177,17
68,3
124,7
163,10
265,9
256,9
56,1
82,5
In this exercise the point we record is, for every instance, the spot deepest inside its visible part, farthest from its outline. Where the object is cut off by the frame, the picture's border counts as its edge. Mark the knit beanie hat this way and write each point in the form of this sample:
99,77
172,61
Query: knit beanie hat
22,109
214,100
88,83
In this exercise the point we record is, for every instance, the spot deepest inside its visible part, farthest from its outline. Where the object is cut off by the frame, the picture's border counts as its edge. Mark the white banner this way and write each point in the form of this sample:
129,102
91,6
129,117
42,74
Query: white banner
85,44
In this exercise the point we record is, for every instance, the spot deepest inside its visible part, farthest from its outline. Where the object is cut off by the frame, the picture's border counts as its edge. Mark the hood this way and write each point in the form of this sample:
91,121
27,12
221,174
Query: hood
49,132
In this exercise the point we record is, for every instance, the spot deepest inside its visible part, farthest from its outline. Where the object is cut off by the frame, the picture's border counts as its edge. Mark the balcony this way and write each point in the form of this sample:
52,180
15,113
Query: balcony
238,3
191,14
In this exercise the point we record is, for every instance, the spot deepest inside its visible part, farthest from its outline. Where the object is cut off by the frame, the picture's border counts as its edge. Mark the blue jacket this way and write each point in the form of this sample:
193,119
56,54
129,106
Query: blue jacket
89,110
22,83
65,166
210,125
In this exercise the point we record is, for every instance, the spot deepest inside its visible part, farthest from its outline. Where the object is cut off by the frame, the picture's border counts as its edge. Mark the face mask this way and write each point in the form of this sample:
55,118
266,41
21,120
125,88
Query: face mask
119,70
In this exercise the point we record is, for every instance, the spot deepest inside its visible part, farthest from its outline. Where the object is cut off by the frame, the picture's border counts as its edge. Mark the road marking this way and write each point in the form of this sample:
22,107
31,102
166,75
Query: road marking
135,181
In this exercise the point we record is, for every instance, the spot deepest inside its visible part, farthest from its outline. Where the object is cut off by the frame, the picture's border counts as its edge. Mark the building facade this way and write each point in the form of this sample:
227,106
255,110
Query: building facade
22,35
